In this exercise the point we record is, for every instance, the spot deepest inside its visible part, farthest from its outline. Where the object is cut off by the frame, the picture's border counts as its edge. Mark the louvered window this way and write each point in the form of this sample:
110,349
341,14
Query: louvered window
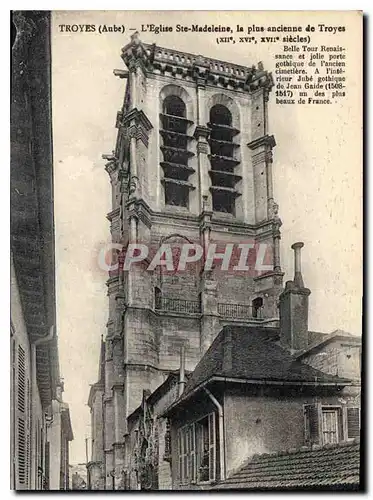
353,422
176,155
223,159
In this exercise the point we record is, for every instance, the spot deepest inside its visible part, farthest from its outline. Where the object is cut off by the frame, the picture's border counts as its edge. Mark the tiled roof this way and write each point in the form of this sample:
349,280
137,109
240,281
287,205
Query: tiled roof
253,353
329,467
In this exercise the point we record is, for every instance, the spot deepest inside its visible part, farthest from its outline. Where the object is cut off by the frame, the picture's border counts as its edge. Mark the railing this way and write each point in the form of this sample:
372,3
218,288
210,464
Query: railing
177,305
240,311
231,311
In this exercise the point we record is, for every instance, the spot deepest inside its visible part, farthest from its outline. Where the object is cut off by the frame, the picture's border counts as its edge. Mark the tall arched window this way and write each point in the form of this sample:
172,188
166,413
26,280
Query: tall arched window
222,159
175,152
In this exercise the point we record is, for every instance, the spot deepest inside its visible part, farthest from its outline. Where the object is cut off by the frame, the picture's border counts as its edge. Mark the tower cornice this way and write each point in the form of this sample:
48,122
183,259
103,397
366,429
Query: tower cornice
203,70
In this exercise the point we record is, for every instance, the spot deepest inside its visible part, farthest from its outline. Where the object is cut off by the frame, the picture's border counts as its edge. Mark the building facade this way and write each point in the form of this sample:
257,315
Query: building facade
192,164
40,420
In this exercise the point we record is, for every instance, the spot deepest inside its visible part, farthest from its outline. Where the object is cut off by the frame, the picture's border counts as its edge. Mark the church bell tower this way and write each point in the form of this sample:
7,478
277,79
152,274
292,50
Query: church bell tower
192,164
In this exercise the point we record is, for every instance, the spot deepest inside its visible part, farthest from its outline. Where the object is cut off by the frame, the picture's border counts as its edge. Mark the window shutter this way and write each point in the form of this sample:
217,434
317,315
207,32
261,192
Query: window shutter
21,419
311,424
192,454
188,452
28,437
47,464
21,380
212,447
21,451
180,457
353,423
184,454
183,462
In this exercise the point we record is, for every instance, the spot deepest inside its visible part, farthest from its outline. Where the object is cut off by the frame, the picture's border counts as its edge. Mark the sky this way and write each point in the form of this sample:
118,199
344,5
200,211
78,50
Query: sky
317,177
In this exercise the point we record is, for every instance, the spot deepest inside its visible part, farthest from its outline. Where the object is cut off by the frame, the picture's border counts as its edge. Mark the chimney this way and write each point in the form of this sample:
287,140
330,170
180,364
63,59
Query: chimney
182,371
298,280
294,307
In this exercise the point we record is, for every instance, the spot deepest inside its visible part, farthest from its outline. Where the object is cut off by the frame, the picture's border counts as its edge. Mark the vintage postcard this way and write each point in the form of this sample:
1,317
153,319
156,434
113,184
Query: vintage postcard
186,250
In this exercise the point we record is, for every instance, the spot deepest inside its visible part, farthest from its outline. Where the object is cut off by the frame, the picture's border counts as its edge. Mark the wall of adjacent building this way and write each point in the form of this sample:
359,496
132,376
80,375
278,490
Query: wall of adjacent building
339,357
256,425
265,424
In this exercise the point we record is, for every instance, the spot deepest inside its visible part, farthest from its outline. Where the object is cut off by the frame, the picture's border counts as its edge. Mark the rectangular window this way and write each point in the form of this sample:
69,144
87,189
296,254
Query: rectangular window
329,424
197,451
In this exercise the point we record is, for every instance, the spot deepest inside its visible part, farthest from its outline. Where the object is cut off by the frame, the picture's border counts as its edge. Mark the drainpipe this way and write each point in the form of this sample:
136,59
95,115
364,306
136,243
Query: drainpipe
34,345
221,432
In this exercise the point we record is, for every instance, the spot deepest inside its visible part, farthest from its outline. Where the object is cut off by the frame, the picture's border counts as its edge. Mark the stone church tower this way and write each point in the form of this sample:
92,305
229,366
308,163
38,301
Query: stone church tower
192,163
